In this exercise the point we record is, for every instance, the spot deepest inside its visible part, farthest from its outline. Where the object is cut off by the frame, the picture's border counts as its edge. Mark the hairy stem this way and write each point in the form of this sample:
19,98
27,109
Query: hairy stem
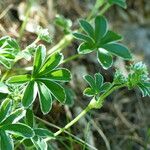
105,8
94,104
66,40
97,5
71,58
72,122
73,136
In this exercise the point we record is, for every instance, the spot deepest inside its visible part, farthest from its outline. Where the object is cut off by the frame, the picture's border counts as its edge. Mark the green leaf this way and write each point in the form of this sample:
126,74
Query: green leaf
100,28
110,37
40,55
146,84
85,48
119,50
89,92
145,91
83,37
43,34
3,39
5,108
3,88
105,87
63,23
30,118
45,98
8,56
43,132
29,94
40,144
51,63
3,96
121,3
6,142
104,58
13,43
28,143
57,90
98,81
70,96
4,91
87,28
90,80
5,62
60,74
14,117
19,79
18,129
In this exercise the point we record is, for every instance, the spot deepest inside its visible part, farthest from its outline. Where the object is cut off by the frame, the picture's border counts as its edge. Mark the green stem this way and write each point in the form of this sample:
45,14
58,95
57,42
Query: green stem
73,136
94,104
5,75
71,123
98,4
105,8
71,58
99,102
66,40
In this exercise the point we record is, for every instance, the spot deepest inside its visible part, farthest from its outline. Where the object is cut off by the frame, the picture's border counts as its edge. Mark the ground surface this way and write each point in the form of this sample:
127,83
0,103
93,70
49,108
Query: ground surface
123,122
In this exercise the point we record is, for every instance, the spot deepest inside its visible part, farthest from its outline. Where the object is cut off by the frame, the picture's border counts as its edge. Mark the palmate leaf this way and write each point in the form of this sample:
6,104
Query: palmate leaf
44,80
97,85
101,38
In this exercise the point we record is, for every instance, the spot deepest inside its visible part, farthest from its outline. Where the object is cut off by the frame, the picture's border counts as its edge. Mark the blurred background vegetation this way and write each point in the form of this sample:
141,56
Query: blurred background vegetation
124,121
